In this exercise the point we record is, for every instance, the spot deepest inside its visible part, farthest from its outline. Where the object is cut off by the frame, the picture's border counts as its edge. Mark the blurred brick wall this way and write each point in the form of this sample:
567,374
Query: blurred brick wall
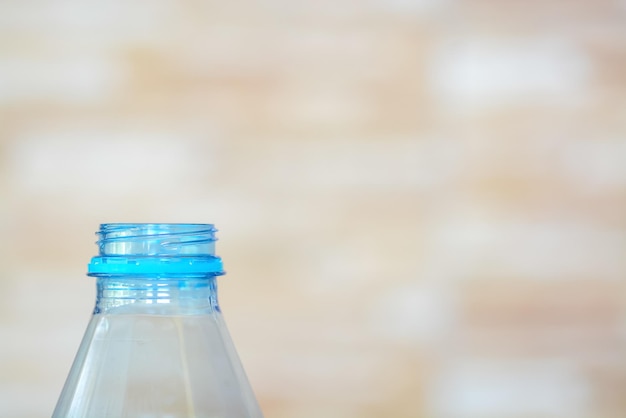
421,203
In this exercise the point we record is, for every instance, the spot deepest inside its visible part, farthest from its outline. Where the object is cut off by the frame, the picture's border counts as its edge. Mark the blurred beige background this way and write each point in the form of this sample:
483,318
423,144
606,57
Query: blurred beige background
421,203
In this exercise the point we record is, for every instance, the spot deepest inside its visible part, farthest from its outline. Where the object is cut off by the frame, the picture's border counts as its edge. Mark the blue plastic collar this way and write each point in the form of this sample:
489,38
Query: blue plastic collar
156,267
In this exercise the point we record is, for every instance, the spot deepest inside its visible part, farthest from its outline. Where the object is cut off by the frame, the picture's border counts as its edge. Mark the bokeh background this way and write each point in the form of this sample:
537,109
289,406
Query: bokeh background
422,203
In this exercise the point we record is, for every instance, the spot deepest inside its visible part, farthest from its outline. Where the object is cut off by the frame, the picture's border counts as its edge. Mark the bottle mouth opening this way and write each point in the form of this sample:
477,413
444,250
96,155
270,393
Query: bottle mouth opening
159,249
156,239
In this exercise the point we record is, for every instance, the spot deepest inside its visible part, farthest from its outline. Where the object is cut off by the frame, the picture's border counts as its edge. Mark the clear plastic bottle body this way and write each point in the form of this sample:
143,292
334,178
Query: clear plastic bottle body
157,347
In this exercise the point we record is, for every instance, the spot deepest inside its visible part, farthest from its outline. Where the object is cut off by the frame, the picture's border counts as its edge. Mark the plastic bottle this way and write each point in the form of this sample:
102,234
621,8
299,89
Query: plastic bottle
156,345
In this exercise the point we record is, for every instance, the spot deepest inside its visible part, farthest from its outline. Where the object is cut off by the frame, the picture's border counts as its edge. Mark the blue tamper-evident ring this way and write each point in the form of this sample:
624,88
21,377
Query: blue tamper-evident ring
159,266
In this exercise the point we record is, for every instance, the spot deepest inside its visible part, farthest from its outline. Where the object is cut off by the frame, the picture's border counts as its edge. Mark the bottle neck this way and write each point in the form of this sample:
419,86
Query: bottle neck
156,296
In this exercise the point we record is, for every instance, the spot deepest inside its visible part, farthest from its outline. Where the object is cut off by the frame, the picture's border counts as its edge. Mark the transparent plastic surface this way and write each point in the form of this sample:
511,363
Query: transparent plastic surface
157,347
